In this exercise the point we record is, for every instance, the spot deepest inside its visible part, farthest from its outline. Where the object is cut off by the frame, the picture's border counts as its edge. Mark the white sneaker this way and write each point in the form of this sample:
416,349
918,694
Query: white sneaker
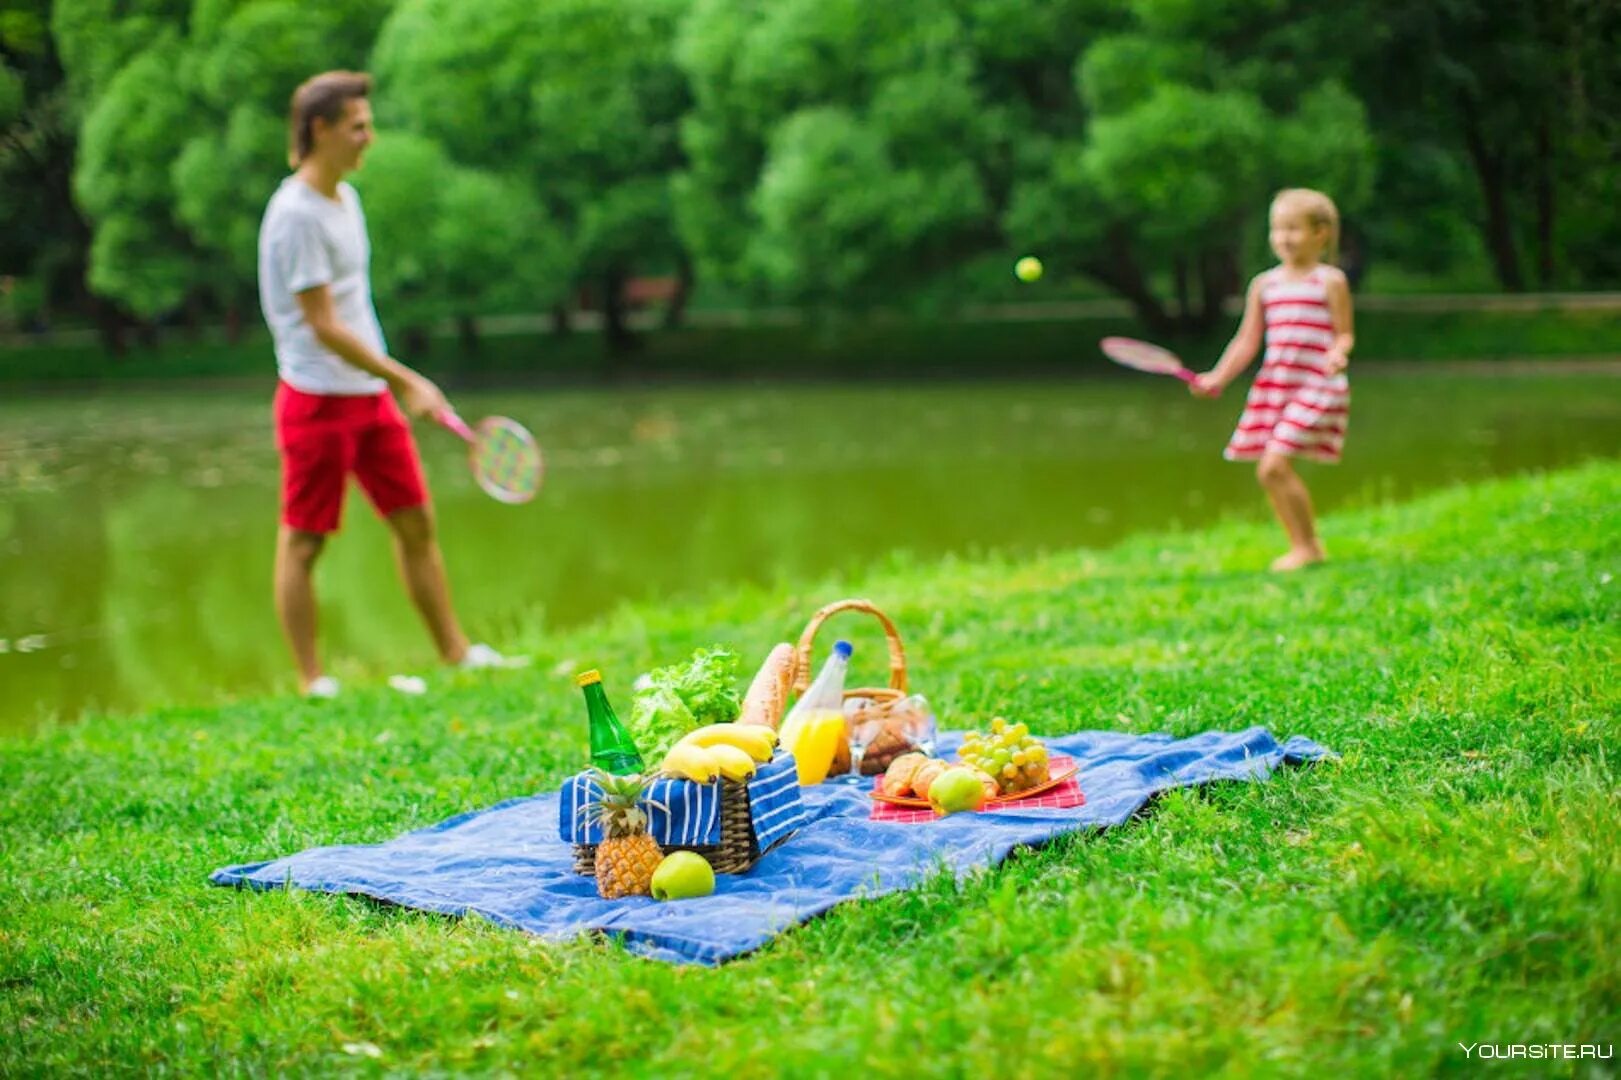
325,688
480,657
413,685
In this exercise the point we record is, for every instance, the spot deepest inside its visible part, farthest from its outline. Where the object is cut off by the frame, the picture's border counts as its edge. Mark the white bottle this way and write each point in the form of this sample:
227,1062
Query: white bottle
825,694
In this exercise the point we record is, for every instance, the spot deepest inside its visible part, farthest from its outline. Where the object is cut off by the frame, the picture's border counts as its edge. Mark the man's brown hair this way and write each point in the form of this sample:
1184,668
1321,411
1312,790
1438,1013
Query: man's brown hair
324,95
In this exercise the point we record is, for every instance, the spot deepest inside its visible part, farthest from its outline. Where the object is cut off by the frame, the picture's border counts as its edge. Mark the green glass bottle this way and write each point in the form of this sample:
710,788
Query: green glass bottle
612,748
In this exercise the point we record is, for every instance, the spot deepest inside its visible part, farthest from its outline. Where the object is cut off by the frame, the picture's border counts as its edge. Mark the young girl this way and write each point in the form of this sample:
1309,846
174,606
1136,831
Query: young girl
1298,404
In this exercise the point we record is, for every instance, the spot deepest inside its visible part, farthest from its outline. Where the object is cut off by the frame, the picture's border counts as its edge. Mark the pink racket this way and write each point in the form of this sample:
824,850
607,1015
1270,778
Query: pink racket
1140,355
505,459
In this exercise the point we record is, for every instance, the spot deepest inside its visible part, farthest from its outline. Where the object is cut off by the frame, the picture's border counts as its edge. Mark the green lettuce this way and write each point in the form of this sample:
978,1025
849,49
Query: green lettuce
670,702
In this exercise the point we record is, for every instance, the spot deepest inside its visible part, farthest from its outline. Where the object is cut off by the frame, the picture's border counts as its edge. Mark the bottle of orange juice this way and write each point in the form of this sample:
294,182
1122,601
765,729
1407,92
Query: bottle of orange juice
817,745
813,726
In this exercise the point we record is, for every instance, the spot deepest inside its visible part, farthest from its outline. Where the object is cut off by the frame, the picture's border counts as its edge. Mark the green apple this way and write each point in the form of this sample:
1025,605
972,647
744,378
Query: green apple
683,875
958,788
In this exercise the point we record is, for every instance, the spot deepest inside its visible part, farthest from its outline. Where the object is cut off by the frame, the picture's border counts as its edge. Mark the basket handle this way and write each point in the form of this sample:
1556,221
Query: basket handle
802,652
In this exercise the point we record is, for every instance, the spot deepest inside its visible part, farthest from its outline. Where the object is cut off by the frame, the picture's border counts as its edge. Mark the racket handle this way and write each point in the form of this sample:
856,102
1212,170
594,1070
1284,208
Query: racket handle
450,420
1193,380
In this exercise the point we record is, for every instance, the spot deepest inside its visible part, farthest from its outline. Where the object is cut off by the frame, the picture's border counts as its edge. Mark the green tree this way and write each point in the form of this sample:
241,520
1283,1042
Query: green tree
578,100
453,240
43,238
841,149
836,148
132,135
183,132
96,38
1520,100
125,64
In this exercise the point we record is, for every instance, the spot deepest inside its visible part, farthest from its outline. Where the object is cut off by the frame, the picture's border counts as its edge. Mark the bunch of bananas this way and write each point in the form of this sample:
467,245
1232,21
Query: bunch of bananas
728,750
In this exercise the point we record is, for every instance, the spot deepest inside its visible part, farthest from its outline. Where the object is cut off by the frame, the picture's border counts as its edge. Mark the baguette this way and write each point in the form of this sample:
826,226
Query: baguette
767,698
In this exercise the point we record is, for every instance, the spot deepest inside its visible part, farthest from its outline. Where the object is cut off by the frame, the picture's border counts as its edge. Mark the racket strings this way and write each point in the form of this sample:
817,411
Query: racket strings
507,462
1140,355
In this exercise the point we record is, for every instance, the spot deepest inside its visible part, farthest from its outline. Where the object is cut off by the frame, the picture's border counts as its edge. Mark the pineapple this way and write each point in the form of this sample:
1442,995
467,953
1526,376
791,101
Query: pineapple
627,856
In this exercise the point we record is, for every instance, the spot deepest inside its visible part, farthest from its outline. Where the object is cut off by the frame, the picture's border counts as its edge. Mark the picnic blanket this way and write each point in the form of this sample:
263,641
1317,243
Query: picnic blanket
506,863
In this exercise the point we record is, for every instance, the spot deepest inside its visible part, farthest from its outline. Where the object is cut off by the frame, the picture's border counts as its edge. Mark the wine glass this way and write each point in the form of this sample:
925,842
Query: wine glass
921,727
862,733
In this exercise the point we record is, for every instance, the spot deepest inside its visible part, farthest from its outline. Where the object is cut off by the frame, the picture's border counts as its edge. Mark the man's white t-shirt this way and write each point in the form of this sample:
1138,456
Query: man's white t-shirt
305,240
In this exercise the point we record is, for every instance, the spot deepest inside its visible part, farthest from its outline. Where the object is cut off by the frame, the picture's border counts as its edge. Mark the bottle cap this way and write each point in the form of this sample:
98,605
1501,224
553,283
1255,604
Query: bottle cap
843,649
586,678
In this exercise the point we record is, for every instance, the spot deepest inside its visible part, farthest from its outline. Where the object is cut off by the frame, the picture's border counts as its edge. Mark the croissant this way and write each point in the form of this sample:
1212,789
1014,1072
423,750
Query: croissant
898,778
925,776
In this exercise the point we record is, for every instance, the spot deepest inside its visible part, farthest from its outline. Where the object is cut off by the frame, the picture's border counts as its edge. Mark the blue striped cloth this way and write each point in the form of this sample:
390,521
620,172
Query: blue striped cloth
683,813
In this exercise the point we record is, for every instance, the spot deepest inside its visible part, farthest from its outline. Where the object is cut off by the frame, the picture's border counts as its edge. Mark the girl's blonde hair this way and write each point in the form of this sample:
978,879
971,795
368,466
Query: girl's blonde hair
1318,209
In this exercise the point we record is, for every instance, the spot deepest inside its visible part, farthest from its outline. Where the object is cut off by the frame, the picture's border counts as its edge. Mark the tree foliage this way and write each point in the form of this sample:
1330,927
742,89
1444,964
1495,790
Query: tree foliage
825,152
574,101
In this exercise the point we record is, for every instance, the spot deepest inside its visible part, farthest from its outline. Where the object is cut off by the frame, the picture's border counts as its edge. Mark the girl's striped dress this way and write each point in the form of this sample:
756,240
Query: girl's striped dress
1295,406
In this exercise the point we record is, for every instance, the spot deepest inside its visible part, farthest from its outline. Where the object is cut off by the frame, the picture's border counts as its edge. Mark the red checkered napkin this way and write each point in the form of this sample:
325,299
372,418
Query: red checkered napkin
1066,795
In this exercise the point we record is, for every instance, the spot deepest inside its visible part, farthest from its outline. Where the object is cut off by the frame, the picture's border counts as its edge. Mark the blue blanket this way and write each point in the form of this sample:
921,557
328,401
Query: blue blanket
506,863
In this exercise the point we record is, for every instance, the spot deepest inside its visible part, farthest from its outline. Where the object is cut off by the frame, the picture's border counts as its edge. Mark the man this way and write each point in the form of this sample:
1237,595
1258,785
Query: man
335,410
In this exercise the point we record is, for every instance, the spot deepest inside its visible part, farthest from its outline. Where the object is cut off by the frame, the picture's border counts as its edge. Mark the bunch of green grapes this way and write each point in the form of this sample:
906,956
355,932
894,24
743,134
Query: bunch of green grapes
1008,754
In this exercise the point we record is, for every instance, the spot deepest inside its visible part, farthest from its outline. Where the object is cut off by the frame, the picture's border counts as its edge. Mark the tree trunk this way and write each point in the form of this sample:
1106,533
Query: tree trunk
676,311
233,323
1498,229
616,332
1118,270
1179,272
1218,279
192,316
110,325
416,342
467,333
560,324
1353,255
1545,204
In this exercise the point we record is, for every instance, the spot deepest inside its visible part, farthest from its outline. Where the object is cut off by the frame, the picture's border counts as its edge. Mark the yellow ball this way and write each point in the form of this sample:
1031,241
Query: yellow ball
1027,269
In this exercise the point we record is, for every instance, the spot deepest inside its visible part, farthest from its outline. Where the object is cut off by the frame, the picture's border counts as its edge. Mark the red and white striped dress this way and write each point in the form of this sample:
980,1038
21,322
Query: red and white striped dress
1295,406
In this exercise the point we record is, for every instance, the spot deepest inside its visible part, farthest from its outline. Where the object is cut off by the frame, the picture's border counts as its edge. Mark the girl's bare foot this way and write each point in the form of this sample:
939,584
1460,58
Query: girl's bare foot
1298,558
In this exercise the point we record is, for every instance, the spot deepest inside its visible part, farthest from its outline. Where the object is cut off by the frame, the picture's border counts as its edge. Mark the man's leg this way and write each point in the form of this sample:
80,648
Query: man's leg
423,568
296,552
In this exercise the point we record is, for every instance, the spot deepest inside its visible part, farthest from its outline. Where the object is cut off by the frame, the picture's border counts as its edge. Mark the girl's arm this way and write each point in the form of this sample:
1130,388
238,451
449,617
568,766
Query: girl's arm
1339,309
1240,351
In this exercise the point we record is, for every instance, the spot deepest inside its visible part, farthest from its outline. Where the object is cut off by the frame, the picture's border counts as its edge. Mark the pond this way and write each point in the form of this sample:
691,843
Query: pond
136,528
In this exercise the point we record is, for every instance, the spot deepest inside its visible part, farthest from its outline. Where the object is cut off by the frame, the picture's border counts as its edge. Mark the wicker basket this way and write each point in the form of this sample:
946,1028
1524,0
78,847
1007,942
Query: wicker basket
886,703
739,847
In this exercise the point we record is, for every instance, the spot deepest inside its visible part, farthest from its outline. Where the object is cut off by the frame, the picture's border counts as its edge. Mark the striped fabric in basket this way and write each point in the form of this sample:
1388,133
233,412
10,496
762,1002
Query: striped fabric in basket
687,814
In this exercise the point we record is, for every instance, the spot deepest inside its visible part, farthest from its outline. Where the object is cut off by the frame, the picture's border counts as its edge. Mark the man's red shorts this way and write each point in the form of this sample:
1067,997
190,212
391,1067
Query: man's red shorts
323,439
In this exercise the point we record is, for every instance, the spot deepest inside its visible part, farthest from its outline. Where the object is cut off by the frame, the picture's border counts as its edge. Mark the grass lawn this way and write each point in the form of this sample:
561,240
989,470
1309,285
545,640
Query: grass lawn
1455,878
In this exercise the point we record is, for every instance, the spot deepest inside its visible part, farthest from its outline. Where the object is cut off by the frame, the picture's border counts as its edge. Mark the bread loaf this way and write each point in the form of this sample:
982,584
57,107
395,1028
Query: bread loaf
767,697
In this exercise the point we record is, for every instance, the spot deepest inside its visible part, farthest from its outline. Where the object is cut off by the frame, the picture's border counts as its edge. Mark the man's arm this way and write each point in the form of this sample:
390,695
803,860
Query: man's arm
417,393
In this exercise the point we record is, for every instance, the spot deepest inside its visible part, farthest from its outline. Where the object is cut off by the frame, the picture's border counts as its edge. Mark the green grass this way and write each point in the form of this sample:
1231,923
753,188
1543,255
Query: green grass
1455,878
847,348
